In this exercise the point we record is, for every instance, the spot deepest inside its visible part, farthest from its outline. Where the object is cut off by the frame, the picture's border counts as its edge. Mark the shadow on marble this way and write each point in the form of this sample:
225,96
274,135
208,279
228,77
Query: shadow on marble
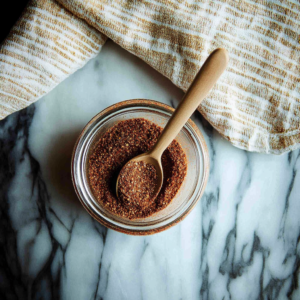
58,165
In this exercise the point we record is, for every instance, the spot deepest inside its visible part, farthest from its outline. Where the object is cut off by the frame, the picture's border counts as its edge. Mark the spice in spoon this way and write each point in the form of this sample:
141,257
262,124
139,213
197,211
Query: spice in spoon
137,184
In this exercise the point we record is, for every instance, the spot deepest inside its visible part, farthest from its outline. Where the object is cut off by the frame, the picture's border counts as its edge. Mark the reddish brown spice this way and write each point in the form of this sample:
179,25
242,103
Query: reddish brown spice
118,145
137,184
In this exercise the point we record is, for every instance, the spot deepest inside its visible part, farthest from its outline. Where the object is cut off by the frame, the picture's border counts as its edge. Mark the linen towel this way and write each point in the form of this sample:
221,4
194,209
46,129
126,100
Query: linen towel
255,104
45,46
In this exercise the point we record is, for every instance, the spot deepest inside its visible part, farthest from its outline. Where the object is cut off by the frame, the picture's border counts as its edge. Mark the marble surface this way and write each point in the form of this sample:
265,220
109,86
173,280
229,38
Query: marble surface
241,241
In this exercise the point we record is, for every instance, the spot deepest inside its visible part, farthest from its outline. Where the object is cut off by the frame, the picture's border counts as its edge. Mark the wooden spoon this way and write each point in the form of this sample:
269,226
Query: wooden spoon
208,75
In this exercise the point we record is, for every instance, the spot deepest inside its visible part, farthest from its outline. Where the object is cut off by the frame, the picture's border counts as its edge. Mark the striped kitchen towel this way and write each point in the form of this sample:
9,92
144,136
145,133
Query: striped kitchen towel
255,104
45,46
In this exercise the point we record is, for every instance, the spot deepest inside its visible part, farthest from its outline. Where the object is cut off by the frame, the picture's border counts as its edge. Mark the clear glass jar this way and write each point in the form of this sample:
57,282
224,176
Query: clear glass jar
190,139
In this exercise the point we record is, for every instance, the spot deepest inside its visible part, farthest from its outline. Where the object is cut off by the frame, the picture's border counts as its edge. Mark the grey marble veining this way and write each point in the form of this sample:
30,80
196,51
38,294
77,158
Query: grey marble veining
240,242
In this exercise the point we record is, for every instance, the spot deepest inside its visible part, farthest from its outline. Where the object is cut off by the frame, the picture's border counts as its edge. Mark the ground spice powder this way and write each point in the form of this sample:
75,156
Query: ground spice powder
117,146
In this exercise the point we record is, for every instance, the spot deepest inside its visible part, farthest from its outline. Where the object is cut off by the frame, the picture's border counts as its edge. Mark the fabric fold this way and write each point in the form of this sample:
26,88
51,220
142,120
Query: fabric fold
45,46
256,103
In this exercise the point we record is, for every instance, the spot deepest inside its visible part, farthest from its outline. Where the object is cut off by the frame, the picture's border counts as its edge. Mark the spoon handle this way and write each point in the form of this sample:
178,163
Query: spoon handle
208,75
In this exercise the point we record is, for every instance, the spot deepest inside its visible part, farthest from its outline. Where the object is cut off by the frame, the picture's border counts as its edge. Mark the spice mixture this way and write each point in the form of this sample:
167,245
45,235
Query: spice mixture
137,184
117,146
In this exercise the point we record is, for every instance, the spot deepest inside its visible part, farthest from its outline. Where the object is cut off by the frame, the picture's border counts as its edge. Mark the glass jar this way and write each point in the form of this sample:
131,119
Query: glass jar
191,141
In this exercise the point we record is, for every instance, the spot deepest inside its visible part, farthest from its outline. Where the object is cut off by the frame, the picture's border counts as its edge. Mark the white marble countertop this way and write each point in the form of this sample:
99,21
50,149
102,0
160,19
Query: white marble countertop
241,241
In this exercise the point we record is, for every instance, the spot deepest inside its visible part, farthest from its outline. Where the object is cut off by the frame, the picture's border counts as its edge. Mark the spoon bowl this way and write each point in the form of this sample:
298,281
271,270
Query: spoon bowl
148,159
